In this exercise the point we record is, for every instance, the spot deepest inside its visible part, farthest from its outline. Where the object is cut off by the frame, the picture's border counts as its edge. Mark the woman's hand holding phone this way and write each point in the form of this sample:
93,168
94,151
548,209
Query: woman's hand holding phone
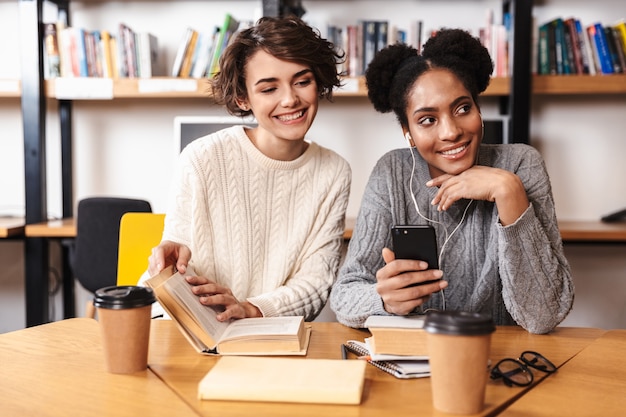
405,284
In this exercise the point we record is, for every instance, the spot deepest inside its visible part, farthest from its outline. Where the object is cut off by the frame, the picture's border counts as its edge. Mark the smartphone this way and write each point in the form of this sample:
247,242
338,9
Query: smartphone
416,242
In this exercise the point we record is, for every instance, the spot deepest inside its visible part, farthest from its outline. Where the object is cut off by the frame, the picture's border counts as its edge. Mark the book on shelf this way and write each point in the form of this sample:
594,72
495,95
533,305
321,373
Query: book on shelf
612,46
250,336
417,34
92,39
600,48
107,55
543,50
620,26
589,64
354,51
369,41
320,381
403,367
397,335
560,54
569,58
203,53
229,26
619,46
185,67
51,51
183,45
71,43
147,46
126,51
574,46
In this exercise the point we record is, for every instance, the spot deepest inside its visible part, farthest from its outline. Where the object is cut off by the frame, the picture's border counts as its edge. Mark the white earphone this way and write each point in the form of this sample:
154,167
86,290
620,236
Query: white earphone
409,139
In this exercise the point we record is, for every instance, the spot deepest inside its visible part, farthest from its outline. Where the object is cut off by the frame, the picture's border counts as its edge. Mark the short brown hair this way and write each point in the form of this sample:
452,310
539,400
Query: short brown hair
286,38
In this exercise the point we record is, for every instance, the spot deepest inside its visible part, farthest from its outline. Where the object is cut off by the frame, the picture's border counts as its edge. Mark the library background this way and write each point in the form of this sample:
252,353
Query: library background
68,133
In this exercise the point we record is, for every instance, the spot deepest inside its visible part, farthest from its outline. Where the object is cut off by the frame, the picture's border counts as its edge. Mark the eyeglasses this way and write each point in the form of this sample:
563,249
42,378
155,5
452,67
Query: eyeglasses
517,371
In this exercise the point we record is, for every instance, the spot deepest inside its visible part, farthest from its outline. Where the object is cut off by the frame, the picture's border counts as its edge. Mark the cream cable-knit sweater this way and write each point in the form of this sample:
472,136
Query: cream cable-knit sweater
269,230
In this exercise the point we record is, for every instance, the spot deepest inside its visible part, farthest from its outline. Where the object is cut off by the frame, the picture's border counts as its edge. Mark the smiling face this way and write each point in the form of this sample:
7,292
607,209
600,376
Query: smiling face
444,122
283,97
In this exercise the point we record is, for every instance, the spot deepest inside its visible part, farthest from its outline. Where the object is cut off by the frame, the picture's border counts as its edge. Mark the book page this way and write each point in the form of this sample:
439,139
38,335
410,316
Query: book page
264,327
205,316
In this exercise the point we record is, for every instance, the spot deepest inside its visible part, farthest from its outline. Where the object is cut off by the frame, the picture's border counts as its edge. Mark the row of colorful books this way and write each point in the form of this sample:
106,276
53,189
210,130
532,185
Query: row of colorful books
566,46
76,52
198,53
361,41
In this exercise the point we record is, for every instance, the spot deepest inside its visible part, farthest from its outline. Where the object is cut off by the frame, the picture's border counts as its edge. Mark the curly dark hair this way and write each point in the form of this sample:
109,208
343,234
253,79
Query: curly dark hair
287,38
395,69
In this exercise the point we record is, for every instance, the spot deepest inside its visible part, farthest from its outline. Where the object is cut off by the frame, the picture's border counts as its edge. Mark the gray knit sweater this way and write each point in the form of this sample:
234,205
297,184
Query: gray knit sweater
517,273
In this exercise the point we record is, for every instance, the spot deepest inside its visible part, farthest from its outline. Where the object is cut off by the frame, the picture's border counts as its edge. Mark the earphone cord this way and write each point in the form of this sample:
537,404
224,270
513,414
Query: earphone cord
448,236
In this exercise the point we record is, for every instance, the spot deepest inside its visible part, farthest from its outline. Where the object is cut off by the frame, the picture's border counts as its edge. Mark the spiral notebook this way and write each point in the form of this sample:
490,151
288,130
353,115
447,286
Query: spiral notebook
400,368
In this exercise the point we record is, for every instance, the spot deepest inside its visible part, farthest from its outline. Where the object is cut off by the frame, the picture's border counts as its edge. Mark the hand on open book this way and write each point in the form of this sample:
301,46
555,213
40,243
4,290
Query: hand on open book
403,283
166,254
212,294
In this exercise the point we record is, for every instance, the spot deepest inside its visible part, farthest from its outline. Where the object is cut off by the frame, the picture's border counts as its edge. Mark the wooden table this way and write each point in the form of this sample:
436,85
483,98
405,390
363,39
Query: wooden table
592,231
61,228
593,383
11,227
181,367
57,369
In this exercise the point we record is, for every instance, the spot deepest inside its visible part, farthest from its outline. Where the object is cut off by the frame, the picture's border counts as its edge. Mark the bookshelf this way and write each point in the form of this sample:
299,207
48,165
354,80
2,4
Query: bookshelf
129,88
167,87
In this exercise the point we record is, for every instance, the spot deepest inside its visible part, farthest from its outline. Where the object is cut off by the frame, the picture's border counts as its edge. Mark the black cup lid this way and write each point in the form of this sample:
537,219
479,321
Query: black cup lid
458,323
120,297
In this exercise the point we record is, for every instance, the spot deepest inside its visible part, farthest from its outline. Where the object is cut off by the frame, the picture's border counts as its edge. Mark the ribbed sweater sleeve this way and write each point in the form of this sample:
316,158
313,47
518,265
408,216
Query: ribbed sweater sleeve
269,230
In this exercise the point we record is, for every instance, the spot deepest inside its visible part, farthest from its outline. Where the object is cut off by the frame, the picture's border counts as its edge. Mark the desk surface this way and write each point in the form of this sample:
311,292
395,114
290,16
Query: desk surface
593,383
52,228
571,231
57,369
11,226
181,367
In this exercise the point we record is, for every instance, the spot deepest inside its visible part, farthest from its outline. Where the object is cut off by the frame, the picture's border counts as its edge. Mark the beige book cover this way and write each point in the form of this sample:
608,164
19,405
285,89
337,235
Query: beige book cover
397,335
294,380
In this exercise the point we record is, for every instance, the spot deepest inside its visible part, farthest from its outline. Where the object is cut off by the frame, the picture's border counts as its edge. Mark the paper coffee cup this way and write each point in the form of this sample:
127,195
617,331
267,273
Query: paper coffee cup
124,313
458,353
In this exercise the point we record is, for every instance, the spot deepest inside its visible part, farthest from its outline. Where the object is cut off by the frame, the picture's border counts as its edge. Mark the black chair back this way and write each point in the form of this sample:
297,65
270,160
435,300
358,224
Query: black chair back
93,257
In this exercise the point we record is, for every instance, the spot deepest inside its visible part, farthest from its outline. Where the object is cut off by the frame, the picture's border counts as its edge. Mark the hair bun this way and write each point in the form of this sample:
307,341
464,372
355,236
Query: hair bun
458,46
381,71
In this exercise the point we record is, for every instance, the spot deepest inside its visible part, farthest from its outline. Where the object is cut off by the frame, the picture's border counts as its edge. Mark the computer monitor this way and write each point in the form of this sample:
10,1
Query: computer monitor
189,128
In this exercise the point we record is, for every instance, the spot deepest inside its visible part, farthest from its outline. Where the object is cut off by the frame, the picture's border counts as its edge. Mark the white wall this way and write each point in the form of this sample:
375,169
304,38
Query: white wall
114,154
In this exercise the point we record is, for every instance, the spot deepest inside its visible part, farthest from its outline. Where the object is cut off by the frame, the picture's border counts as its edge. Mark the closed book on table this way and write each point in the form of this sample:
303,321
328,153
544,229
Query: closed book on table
397,335
294,380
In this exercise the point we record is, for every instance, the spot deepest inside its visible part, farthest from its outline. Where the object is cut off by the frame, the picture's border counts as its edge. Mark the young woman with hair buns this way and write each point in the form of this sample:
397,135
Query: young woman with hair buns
491,205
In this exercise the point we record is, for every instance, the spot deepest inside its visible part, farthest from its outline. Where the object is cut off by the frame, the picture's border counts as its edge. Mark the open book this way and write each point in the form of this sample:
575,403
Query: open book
397,335
199,324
